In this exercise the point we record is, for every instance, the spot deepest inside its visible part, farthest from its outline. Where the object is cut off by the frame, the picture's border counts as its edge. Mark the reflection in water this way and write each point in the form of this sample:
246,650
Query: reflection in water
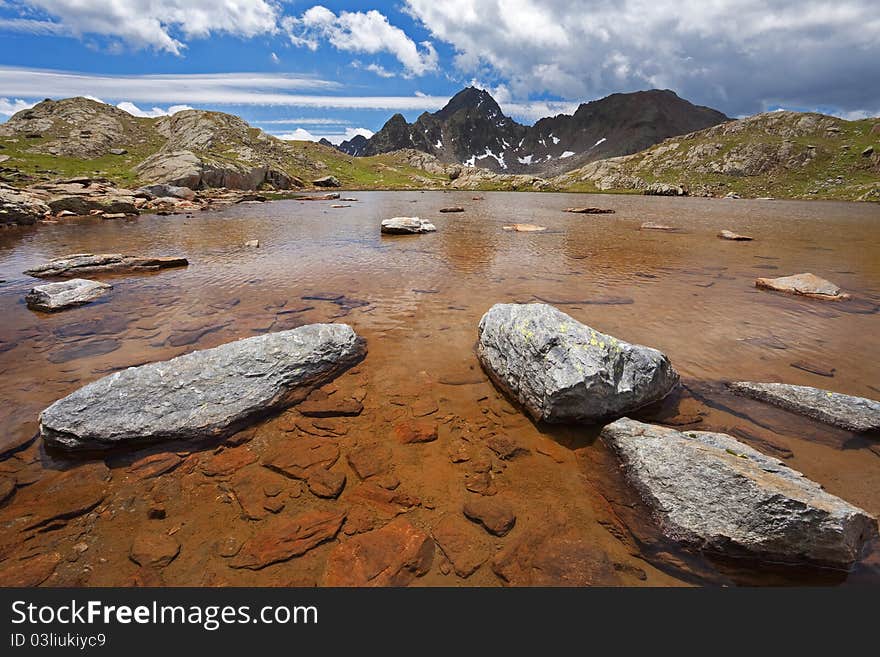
417,301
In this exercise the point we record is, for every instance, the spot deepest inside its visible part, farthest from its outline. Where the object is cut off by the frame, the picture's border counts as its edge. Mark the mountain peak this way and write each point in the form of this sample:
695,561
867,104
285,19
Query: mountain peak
470,98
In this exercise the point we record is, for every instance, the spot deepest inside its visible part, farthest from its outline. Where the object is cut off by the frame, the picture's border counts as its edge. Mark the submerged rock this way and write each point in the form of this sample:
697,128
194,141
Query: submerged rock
89,263
454,208
713,493
204,394
734,237
407,226
563,371
589,210
65,294
845,411
651,225
808,285
524,228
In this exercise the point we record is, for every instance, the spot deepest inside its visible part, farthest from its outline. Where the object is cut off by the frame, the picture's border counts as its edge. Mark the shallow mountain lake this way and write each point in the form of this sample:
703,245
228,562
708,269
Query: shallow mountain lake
417,300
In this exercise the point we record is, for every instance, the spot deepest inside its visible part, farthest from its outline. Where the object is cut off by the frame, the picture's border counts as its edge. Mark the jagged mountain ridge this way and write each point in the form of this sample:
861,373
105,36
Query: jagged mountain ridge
472,129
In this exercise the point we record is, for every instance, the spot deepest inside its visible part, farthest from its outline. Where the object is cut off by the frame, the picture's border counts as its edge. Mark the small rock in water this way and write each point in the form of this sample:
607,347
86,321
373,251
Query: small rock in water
205,394
525,228
406,226
452,209
495,515
563,371
735,237
53,297
714,493
814,368
650,225
589,210
252,244
88,263
845,411
808,285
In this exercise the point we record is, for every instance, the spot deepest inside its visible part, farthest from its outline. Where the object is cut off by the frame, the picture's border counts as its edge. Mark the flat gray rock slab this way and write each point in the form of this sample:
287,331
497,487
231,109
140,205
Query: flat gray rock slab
563,371
407,226
711,492
204,394
53,297
845,411
78,264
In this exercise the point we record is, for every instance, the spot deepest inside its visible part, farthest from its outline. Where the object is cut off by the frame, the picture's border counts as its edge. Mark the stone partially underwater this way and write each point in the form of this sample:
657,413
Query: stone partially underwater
563,371
53,297
78,264
713,493
204,394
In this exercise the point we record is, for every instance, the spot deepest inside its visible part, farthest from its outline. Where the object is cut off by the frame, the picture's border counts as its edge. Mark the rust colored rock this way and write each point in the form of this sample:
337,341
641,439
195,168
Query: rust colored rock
60,496
249,486
286,538
331,408
154,549
7,488
385,503
293,458
325,483
393,555
466,547
28,572
369,460
495,515
410,432
228,461
506,447
154,465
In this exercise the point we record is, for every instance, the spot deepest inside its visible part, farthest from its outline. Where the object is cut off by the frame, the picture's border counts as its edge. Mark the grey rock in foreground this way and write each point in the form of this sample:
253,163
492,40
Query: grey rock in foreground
563,371
845,411
202,395
90,263
407,226
713,493
65,294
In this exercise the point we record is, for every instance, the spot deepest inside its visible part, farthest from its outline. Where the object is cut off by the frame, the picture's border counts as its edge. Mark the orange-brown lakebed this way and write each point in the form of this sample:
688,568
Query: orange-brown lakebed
197,514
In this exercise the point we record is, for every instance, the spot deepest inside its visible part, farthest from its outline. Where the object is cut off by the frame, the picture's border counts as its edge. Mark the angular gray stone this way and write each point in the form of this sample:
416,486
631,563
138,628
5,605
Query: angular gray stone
165,191
711,492
204,394
845,411
407,226
18,206
90,263
65,294
327,181
563,371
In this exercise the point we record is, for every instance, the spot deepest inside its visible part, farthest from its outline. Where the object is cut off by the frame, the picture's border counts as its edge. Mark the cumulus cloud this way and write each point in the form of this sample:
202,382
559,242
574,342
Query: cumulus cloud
740,55
158,24
301,134
9,106
134,110
367,32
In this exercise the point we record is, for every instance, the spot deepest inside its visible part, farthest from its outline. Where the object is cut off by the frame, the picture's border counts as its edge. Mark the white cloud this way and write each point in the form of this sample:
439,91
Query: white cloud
301,134
361,32
740,55
303,121
378,69
9,106
156,24
134,110
201,89
275,58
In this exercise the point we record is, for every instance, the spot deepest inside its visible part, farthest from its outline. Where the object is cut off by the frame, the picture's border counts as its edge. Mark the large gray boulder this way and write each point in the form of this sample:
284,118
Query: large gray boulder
407,226
844,411
563,371
711,492
18,206
89,263
204,394
53,297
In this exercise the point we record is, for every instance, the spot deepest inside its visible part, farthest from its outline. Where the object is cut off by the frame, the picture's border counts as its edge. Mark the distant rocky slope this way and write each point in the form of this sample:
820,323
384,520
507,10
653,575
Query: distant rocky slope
779,154
471,129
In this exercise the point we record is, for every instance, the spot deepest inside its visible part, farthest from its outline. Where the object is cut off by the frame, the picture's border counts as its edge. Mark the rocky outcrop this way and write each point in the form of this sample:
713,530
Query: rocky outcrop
18,206
53,297
202,395
407,226
662,189
806,285
78,264
82,196
713,493
844,411
563,371
327,181
166,191
186,169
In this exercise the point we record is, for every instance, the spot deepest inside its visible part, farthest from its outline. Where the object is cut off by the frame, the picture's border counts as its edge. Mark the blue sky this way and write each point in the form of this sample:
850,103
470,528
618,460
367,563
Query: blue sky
335,68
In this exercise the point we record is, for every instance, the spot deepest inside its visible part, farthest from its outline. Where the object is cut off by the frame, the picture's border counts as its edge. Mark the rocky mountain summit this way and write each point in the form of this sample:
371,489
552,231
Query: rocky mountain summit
473,130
